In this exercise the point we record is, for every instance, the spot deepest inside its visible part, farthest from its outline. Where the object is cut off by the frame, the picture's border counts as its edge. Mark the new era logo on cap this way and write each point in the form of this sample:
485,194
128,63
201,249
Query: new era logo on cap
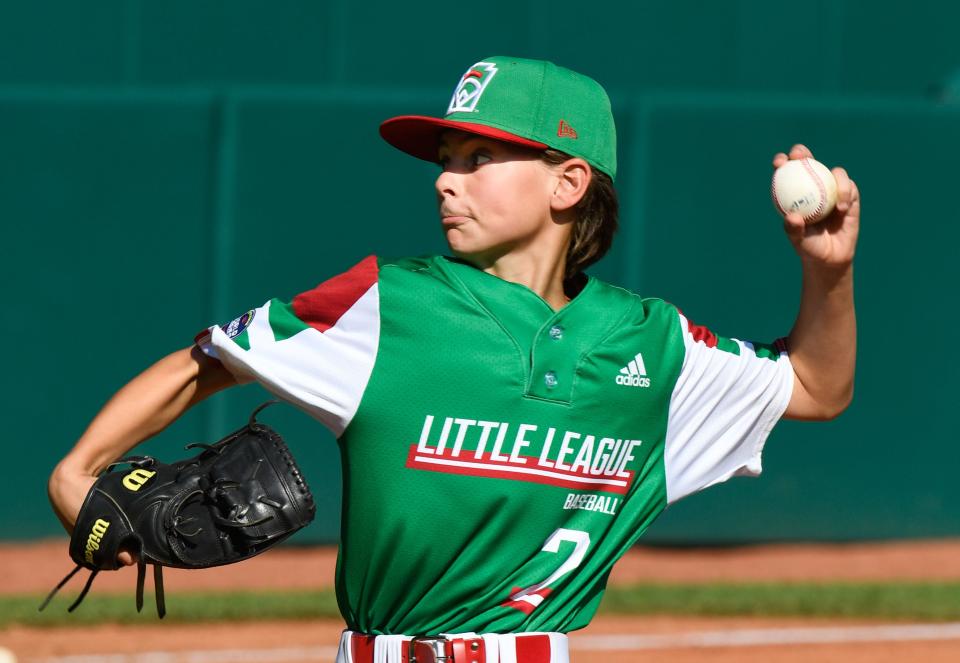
564,130
471,86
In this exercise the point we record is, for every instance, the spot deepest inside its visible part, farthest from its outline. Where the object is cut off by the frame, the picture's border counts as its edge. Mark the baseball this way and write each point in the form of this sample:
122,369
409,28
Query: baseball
7,656
806,187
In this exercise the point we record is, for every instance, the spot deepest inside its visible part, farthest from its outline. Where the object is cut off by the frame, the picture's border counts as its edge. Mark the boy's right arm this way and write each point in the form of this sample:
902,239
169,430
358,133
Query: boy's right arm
142,408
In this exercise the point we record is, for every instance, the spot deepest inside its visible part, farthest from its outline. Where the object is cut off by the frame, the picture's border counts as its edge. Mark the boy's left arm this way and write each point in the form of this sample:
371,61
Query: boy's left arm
823,341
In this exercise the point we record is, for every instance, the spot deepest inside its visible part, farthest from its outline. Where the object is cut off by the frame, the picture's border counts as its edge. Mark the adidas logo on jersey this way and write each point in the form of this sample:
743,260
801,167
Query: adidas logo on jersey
634,374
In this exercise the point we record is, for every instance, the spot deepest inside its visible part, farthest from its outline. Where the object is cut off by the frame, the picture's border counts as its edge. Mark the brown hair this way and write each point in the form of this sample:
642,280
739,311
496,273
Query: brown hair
598,215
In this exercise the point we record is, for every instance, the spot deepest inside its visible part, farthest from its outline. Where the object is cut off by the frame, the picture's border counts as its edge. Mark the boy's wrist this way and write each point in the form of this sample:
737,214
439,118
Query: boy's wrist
67,488
827,276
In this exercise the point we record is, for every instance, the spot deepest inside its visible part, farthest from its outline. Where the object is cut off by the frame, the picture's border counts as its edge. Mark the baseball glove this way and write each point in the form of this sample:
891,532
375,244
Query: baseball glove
232,501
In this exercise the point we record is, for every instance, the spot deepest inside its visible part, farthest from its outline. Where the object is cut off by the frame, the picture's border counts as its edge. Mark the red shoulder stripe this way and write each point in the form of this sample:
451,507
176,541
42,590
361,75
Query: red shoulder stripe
702,334
323,306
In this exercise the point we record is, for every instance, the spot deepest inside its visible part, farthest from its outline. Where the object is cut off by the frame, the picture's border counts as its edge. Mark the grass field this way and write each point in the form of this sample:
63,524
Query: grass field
873,602
896,601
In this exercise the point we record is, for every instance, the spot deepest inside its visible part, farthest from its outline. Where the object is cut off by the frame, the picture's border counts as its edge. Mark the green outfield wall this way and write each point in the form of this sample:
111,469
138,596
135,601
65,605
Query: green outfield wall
169,165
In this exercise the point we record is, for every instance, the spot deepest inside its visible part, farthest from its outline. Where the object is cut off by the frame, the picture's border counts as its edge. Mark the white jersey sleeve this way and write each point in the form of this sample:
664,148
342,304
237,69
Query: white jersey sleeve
316,352
728,397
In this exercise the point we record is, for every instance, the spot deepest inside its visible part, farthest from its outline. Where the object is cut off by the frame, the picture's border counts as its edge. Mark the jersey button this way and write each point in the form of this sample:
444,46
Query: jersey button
550,379
556,332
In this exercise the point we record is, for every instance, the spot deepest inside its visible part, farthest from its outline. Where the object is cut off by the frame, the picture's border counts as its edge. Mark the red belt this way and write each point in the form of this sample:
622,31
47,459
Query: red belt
532,648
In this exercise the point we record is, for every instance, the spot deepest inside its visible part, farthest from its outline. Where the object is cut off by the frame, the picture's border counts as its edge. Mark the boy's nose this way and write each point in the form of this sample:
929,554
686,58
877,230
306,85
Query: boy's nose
446,184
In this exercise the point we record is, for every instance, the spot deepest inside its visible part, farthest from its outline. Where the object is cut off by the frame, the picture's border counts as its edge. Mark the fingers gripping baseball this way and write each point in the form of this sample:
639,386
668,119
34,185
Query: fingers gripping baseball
823,224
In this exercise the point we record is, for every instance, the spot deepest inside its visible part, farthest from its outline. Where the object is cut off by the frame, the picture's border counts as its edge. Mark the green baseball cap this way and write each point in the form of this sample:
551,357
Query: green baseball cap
526,102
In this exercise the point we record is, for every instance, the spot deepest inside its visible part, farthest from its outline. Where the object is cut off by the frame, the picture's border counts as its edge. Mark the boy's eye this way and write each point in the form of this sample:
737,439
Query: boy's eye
471,160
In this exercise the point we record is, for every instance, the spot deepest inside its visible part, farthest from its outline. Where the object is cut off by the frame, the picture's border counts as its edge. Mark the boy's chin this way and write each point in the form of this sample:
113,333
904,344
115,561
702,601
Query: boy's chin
481,259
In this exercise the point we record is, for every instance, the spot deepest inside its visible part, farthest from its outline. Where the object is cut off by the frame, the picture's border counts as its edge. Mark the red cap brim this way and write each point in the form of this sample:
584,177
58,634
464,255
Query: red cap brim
419,135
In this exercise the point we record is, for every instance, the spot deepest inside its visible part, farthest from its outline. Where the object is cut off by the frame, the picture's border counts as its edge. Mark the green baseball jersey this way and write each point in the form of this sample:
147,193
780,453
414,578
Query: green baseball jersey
499,456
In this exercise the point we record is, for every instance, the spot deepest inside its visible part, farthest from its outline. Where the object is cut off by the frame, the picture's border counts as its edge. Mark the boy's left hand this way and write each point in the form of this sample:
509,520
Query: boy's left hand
831,242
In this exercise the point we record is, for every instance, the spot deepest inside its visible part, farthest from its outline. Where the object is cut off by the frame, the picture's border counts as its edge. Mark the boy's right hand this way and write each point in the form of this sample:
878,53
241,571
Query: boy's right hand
68,488
140,409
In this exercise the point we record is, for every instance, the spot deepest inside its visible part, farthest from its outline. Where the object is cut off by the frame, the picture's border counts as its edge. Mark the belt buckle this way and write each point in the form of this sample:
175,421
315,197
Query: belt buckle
434,649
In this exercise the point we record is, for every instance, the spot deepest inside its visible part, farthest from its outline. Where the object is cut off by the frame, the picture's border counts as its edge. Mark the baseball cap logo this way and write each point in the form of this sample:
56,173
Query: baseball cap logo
471,86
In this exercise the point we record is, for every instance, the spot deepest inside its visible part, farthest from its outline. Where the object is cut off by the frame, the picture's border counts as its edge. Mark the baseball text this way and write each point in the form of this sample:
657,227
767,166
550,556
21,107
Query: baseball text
591,502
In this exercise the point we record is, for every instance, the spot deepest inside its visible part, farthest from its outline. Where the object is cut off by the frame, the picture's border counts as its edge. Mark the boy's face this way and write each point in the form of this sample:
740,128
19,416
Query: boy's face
494,197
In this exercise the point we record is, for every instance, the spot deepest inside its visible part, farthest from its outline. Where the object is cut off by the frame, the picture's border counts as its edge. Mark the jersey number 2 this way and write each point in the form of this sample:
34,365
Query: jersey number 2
528,598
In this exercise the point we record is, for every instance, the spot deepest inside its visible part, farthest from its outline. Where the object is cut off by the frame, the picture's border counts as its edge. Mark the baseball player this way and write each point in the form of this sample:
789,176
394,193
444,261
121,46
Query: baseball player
508,425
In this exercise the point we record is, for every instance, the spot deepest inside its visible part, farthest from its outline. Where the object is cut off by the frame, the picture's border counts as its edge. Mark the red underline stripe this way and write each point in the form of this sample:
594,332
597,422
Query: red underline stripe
504,470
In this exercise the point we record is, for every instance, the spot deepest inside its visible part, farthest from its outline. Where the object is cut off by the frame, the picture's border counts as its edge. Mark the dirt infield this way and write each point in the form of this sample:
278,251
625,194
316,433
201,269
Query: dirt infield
37,567
309,642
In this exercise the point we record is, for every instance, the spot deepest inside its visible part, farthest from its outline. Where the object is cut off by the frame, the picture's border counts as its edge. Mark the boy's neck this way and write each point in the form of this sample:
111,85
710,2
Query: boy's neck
542,276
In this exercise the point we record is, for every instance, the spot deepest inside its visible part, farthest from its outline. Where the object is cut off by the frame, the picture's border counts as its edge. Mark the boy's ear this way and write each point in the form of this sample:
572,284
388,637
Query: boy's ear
573,179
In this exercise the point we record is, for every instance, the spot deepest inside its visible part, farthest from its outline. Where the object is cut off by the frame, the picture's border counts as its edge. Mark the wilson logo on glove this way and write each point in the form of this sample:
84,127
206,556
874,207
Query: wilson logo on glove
93,541
137,479
232,501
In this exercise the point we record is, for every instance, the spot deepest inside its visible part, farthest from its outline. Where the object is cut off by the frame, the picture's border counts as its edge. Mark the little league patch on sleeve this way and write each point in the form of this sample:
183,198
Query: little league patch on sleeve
236,326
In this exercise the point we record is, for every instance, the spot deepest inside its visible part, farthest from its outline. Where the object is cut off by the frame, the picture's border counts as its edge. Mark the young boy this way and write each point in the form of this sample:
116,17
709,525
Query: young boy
508,426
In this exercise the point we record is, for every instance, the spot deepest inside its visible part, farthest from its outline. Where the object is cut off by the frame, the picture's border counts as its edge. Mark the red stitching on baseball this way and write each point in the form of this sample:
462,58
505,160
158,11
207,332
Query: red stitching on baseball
820,186
773,194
